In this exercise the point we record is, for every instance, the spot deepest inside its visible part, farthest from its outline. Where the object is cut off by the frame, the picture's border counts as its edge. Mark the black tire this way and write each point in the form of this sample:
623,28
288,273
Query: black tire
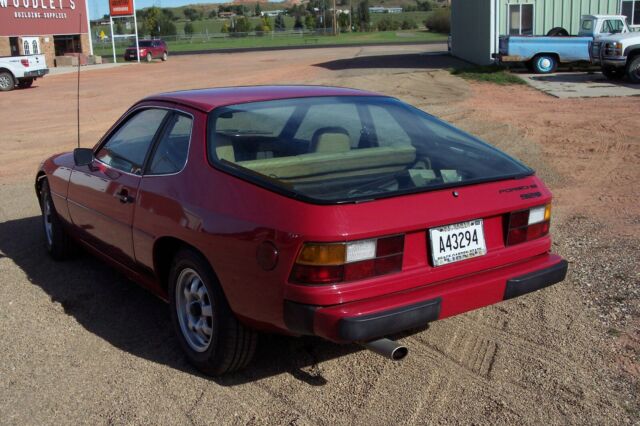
7,82
633,70
558,32
25,83
231,345
149,57
57,242
165,56
612,73
544,63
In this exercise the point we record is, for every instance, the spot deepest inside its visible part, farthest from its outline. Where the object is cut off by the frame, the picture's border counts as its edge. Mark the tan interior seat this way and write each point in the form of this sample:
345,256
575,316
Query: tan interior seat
224,148
330,140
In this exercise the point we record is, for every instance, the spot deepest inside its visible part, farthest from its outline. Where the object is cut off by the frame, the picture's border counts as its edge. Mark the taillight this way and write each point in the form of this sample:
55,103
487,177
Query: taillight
24,62
329,263
526,225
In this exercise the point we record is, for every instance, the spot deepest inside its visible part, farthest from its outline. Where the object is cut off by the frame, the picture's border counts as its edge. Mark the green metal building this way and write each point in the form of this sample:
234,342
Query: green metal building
476,25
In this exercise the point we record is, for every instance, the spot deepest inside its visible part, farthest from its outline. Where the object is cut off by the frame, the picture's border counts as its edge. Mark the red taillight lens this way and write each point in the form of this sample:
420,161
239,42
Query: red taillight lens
525,225
24,62
333,263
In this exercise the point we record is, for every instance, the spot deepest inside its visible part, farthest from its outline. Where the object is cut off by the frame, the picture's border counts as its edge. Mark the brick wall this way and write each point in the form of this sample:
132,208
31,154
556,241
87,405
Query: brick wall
47,48
5,49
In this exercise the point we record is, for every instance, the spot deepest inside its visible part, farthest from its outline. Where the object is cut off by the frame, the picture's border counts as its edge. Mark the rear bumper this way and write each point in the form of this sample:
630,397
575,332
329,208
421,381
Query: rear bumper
36,73
382,316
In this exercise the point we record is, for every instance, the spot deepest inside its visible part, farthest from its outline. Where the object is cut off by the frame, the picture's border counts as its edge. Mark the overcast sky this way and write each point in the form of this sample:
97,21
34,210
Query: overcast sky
98,8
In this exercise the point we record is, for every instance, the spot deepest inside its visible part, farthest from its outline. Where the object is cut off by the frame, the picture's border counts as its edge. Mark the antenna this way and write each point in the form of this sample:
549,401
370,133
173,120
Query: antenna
78,88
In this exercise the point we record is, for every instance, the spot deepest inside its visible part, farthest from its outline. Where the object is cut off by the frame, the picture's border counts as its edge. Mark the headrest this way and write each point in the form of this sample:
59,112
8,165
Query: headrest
330,139
224,148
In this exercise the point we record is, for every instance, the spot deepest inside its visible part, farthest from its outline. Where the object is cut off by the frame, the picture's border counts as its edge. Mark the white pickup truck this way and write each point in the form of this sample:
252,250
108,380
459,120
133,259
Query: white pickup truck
21,71
618,55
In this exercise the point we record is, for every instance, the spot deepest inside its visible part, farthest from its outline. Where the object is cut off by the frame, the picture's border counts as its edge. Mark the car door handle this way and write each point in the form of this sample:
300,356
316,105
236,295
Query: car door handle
124,197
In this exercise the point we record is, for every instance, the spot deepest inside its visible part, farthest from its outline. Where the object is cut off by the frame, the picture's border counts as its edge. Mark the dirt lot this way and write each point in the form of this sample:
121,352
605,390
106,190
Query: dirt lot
79,344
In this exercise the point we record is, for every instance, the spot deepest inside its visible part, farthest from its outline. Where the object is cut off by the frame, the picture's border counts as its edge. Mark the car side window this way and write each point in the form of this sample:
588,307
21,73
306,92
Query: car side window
127,148
171,152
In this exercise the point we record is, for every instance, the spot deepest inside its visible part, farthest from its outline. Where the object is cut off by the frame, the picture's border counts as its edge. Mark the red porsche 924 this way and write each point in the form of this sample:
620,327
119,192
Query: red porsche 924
300,210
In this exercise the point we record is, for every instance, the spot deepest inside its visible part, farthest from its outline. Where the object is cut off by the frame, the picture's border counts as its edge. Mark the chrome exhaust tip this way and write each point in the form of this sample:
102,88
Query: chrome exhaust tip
387,348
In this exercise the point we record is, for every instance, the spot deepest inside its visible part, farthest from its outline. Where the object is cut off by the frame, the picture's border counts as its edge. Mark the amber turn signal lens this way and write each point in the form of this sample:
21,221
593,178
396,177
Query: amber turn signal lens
322,254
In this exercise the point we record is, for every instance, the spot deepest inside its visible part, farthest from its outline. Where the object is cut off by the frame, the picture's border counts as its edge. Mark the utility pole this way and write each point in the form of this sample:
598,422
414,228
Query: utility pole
335,22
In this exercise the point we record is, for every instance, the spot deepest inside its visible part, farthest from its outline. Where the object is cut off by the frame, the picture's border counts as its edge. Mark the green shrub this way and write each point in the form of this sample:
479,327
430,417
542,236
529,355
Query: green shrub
439,21
387,24
408,24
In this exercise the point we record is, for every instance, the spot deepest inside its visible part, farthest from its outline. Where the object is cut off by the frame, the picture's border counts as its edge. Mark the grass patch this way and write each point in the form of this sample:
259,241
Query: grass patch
490,74
282,40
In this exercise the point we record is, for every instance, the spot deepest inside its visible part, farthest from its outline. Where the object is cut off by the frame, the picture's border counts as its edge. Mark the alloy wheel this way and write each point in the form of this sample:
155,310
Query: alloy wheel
194,309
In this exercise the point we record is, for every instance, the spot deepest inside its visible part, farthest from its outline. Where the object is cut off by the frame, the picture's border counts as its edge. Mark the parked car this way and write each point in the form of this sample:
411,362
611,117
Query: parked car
542,54
300,210
21,71
149,50
618,55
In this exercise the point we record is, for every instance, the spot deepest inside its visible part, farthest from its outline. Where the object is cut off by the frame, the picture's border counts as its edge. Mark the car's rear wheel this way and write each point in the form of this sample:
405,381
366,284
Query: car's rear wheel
25,83
213,339
164,56
612,73
545,64
149,57
7,81
56,239
633,70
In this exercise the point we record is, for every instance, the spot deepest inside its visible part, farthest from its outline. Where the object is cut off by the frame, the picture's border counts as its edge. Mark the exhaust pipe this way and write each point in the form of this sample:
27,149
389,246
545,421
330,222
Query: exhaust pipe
387,348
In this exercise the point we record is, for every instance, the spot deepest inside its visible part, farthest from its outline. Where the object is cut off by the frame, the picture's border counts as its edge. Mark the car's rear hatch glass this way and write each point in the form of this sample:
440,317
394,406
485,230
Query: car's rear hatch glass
348,149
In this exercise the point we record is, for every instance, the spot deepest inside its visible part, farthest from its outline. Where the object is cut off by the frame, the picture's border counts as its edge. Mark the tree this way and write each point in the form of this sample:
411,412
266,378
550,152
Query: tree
242,25
188,28
439,21
155,23
280,24
298,26
192,14
363,15
119,28
212,14
310,22
257,10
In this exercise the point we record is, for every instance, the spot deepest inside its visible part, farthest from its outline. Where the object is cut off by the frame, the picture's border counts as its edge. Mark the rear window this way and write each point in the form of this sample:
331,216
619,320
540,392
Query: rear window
343,149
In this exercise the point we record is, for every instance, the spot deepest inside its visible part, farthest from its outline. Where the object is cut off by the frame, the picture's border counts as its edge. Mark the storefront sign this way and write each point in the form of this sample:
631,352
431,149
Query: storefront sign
42,17
121,7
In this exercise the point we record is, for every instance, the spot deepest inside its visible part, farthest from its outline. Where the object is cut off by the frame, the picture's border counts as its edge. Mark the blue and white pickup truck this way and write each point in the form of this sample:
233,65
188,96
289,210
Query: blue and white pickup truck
542,54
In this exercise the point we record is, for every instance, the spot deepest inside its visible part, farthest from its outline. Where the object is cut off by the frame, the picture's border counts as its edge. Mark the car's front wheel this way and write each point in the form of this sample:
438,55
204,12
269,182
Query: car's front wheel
149,57
213,339
633,70
164,56
56,239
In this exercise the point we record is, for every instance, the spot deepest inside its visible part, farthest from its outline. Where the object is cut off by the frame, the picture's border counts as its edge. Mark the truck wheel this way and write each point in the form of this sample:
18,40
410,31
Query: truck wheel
612,73
544,64
213,339
149,57
633,70
7,82
558,32
56,239
25,83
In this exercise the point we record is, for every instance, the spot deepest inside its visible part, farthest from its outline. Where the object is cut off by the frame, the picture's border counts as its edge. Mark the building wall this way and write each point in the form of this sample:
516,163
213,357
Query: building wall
5,49
471,30
559,13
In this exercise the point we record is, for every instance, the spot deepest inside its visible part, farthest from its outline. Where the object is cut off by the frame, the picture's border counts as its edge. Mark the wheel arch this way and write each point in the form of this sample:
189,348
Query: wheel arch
2,69
164,250
632,51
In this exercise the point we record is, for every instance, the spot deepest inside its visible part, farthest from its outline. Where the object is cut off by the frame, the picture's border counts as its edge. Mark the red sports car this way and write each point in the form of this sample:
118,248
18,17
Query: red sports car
301,210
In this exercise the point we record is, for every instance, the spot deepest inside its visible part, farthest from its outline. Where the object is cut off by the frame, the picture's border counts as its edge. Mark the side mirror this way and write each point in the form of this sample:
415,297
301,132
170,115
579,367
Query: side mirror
82,156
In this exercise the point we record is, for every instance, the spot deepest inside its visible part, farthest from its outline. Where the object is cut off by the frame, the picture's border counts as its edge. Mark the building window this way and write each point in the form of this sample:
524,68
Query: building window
27,49
631,9
35,47
520,20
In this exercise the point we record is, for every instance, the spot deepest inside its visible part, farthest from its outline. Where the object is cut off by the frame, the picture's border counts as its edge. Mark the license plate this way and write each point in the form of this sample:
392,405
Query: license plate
456,242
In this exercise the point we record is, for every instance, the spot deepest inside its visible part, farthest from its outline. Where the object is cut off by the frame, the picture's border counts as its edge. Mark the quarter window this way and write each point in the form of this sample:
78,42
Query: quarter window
170,155
127,148
520,19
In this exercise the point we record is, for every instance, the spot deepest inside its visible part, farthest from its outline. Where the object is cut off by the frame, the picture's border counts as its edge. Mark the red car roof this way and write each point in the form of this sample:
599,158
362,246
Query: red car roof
208,99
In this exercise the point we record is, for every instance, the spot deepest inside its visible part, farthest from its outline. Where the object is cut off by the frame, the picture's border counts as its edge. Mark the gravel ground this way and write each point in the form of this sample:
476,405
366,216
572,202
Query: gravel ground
80,344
